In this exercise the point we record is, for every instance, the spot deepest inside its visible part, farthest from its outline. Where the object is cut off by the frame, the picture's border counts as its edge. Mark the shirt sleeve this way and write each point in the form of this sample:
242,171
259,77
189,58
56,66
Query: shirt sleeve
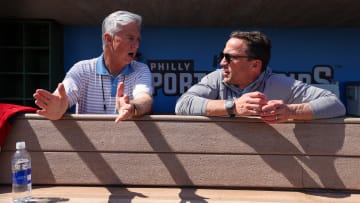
324,103
143,80
194,101
72,83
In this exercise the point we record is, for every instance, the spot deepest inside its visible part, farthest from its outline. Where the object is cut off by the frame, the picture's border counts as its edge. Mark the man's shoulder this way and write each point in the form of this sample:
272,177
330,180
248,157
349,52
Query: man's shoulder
86,62
82,66
214,75
139,66
282,83
217,72
280,78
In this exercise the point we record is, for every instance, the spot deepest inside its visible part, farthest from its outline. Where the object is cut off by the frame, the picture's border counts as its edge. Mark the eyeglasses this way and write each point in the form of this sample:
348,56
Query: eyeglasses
230,57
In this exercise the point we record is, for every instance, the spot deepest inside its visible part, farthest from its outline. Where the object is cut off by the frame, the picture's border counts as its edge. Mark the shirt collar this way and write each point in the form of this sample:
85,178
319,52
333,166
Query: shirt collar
258,84
102,70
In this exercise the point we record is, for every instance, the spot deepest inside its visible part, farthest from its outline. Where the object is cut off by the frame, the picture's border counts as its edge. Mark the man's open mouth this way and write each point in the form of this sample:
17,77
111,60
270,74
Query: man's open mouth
131,54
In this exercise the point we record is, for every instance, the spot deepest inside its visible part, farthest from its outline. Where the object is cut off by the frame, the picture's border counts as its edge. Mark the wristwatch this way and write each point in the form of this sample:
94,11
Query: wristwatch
229,106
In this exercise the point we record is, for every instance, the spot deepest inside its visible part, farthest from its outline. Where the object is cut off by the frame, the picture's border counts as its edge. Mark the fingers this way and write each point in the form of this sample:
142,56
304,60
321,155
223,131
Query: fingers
119,95
275,118
124,112
271,114
255,104
126,99
42,98
41,112
40,104
122,104
274,112
121,101
41,94
120,90
61,90
257,97
272,105
254,109
250,104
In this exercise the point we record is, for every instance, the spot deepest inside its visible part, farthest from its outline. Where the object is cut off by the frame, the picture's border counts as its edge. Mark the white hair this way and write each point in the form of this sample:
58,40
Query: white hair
113,23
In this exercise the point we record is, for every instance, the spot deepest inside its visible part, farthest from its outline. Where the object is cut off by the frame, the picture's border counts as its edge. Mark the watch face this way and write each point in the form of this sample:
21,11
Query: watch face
229,104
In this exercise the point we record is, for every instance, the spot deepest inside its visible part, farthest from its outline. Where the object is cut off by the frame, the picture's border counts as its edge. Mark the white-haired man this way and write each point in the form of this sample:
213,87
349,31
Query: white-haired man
114,82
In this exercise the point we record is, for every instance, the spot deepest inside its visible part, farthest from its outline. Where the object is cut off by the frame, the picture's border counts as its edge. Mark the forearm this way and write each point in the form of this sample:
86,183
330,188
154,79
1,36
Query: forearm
142,105
216,108
189,104
300,111
327,107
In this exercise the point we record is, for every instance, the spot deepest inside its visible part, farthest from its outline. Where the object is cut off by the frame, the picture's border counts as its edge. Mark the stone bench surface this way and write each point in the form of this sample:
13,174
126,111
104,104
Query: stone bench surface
196,151
78,194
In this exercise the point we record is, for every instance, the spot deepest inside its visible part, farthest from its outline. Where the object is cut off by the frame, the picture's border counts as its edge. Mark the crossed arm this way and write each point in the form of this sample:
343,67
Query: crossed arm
256,104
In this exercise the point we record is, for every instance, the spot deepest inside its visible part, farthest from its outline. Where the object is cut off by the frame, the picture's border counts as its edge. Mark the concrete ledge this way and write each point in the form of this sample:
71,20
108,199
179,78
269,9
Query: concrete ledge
178,151
97,194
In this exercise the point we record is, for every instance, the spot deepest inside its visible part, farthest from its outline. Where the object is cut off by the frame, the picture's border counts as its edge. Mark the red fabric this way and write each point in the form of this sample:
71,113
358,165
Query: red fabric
6,112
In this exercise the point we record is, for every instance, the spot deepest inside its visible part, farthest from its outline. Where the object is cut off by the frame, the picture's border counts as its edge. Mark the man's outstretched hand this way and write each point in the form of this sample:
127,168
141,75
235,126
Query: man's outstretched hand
52,105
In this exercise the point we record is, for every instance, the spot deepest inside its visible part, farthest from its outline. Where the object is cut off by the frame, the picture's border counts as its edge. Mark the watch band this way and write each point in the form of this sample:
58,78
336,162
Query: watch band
229,106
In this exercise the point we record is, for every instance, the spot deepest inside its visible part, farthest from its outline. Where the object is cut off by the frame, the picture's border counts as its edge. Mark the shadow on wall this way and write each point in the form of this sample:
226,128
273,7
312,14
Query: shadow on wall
95,162
172,163
299,160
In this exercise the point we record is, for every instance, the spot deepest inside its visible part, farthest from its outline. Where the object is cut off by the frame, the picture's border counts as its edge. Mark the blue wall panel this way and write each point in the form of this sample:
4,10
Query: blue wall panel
295,50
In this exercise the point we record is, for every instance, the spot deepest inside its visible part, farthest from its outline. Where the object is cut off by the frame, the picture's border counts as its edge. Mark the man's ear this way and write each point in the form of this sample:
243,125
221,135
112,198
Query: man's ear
107,38
257,63
256,66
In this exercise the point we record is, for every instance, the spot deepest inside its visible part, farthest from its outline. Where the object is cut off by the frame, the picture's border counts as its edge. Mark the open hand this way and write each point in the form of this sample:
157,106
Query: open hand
52,105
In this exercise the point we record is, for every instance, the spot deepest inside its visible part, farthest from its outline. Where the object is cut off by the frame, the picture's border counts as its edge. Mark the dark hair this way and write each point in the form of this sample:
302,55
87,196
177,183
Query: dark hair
259,45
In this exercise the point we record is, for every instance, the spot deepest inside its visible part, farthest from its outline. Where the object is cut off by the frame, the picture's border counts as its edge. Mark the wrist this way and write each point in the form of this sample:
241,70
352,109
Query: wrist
133,110
229,106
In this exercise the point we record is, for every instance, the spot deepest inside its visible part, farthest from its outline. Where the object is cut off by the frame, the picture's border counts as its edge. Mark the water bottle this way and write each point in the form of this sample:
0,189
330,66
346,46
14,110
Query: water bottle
21,174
